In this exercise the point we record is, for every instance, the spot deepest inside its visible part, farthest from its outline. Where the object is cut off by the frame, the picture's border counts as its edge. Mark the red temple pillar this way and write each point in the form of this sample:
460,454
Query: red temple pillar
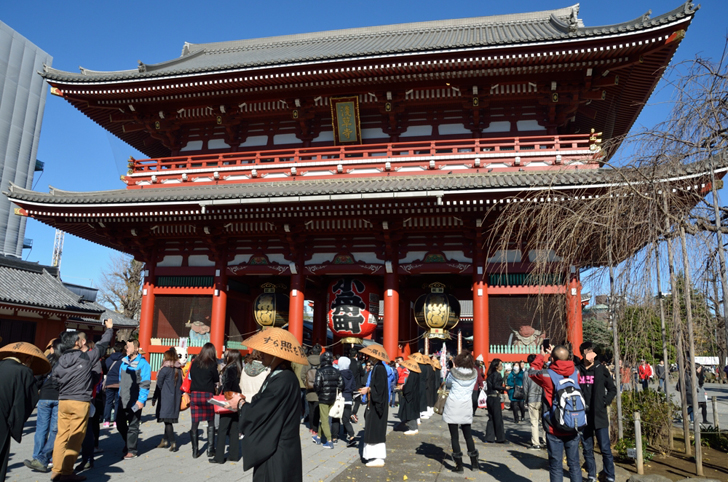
481,325
146,317
405,328
391,312
295,308
219,306
574,330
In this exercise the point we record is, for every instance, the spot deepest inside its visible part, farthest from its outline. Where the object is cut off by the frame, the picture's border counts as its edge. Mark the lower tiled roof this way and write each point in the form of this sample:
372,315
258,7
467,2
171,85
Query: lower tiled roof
330,189
36,287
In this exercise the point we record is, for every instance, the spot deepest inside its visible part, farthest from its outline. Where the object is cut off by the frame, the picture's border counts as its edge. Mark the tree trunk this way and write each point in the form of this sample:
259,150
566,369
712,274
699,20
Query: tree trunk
663,333
721,251
691,347
617,363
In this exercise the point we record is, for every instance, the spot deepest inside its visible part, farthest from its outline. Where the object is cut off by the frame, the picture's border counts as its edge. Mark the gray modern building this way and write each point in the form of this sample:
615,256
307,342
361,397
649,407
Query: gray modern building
22,101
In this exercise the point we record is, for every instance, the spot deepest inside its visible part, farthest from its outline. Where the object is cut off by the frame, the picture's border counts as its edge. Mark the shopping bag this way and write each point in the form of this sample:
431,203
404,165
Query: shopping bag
186,384
482,399
184,402
441,399
218,403
337,409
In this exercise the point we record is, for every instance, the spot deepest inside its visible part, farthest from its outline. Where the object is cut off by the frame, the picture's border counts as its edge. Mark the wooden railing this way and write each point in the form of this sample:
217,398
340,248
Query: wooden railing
390,157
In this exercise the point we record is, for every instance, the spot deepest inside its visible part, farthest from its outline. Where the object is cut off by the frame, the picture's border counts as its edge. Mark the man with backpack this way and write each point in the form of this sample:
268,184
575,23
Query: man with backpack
309,374
599,390
327,383
564,411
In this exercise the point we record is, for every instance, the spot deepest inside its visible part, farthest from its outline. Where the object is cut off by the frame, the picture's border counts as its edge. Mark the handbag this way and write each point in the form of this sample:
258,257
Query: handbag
184,402
221,410
441,399
337,409
482,399
519,393
186,384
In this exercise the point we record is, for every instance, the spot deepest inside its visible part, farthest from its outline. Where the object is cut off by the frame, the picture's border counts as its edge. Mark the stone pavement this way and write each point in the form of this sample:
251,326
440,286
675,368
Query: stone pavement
422,457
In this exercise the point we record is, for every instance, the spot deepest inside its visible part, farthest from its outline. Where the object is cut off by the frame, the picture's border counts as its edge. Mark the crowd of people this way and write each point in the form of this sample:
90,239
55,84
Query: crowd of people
253,406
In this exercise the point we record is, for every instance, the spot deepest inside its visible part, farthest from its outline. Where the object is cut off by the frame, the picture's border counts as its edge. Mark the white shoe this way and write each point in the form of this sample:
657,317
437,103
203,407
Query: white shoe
376,463
412,432
419,422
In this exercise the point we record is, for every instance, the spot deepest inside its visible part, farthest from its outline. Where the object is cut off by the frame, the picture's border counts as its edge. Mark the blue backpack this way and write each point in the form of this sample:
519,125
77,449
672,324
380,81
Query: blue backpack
568,408
392,376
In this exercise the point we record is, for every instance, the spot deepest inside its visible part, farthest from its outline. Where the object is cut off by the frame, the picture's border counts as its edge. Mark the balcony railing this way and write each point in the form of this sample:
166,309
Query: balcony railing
368,159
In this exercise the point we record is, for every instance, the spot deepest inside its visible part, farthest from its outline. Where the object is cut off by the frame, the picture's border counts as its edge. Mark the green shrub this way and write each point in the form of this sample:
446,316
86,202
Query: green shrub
656,415
620,449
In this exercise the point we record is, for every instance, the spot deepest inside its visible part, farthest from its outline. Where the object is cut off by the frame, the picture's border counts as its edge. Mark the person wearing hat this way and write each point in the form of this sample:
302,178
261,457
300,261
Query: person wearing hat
270,421
424,366
409,402
75,384
19,362
377,392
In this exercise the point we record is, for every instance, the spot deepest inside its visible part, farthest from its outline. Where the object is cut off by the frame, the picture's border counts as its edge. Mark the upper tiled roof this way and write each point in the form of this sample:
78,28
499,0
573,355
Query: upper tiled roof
361,187
408,38
33,285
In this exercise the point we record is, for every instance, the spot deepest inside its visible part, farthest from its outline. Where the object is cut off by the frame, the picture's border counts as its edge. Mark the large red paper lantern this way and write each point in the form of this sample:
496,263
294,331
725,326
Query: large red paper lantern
353,308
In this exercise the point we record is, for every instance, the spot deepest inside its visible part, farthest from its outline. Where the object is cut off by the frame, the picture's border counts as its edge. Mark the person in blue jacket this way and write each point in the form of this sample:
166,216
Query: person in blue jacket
135,379
515,379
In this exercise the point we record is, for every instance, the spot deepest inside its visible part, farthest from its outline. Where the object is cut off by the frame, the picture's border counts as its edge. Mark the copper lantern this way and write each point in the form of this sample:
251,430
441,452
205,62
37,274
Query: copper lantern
437,312
270,307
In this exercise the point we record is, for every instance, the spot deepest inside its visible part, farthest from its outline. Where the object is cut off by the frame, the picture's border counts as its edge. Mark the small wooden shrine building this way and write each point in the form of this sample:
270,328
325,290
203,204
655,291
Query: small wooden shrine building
367,157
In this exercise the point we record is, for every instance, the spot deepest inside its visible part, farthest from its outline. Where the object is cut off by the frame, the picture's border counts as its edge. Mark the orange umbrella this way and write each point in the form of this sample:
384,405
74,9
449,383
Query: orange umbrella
279,343
376,351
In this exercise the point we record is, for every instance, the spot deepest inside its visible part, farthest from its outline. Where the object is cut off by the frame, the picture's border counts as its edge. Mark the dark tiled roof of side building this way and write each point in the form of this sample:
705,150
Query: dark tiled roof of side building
330,189
120,321
38,286
370,42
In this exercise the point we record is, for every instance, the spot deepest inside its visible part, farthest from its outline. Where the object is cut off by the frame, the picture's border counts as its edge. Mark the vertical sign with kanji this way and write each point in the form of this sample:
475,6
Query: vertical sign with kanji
345,116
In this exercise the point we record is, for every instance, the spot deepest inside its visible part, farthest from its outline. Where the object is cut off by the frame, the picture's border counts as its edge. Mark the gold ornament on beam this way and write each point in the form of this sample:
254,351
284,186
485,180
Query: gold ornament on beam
438,312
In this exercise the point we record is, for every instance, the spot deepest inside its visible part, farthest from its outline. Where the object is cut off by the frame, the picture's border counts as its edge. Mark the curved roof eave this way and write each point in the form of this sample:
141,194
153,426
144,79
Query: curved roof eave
289,50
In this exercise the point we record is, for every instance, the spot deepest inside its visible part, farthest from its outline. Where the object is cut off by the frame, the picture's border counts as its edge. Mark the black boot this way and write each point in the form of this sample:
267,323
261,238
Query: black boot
195,442
474,465
210,440
173,444
458,458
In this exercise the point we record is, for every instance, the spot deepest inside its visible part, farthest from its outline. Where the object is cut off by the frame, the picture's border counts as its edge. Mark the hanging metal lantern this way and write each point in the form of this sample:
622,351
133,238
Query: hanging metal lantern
271,308
437,312
353,308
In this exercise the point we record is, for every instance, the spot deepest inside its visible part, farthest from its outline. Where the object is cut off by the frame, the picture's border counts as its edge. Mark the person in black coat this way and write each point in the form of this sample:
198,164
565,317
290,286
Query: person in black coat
494,431
229,422
19,394
270,421
348,392
375,430
424,414
328,383
598,390
167,397
409,407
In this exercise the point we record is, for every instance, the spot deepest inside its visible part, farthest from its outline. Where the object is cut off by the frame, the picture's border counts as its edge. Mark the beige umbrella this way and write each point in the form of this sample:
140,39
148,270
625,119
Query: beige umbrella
279,343
376,351
411,365
419,358
22,350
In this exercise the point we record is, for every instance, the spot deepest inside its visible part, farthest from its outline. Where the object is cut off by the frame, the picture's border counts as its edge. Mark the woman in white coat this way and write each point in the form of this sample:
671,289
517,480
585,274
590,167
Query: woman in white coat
458,411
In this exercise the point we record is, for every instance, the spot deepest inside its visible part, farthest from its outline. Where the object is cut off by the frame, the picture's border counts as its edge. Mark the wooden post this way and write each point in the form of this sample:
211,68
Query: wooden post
391,312
427,346
716,416
460,342
146,317
218,318
295,307
574,328
638,443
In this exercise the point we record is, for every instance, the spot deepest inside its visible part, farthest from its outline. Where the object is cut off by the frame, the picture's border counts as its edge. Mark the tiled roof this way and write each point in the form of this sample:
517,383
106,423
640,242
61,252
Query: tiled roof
410,38
34,286
120,321
361,187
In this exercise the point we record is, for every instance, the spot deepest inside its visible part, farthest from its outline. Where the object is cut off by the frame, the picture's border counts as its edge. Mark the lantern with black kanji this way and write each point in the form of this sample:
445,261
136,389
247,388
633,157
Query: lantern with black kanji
353,308
437,312
270,307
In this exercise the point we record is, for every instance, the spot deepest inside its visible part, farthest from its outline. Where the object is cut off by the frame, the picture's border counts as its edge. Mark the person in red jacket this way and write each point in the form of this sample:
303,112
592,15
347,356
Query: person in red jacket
645,373
557,442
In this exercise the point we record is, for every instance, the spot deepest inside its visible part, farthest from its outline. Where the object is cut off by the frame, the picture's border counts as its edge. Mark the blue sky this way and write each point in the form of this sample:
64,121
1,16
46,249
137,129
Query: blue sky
80,156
